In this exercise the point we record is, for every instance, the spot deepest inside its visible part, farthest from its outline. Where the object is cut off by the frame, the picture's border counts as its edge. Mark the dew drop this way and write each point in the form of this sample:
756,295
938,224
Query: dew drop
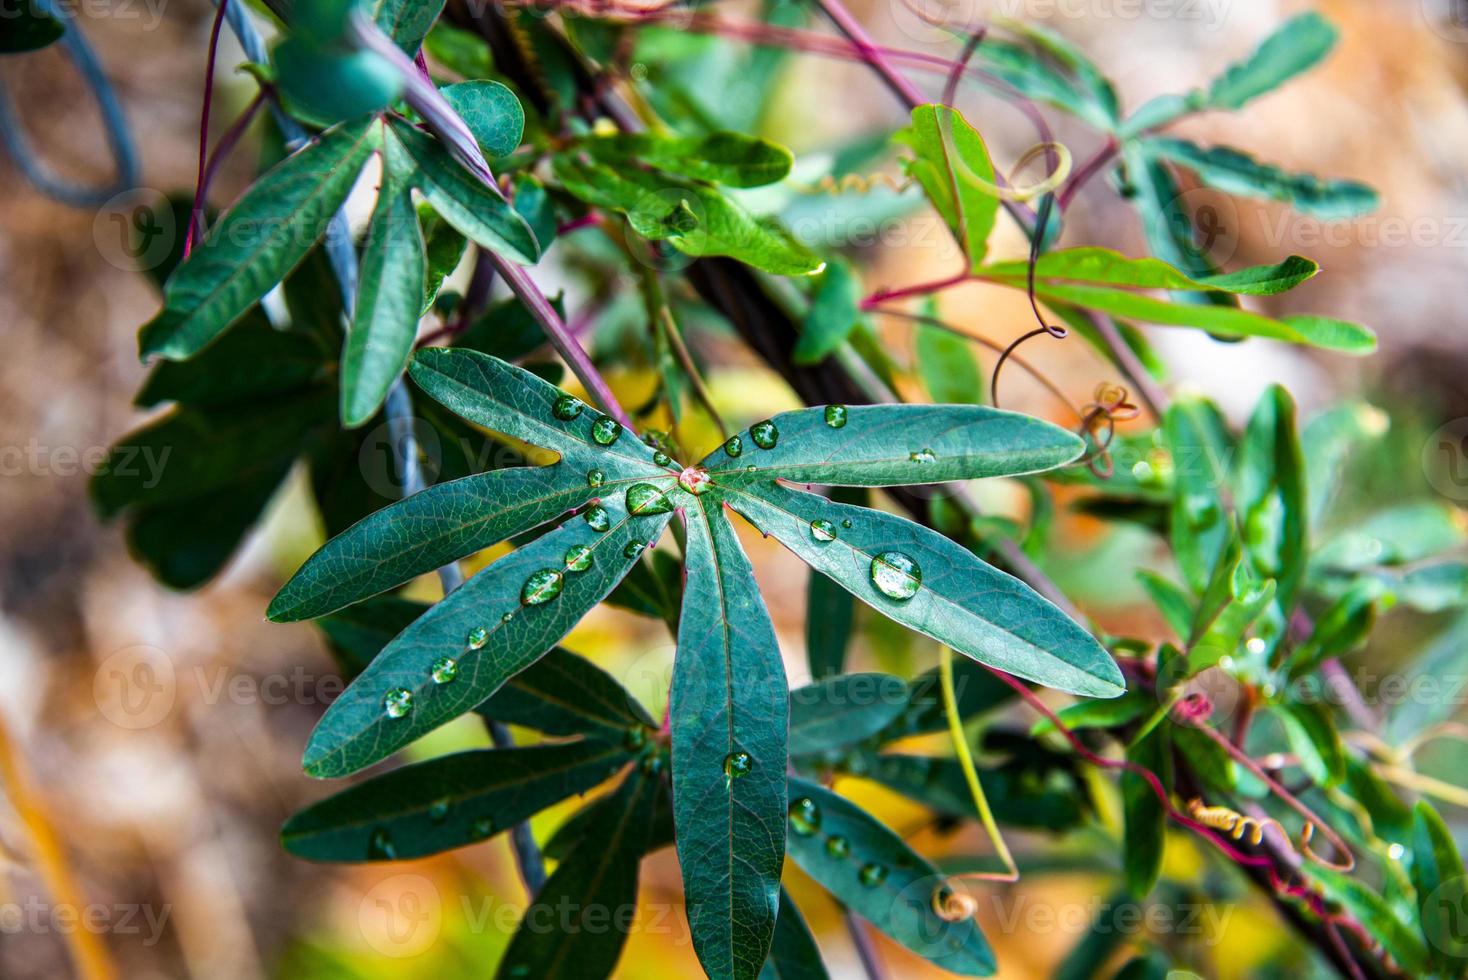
397,702
805,816
595,478
606,430
836,416
1396,852
896,575
477,638
381,847
634,549
662,459
922,456
823,530
541,587
507,617
872,875
838,846
644,499
578,558
482,829
596,515
737,764
734,447
846,524
438,812
764,434
444,670
694,479
567,408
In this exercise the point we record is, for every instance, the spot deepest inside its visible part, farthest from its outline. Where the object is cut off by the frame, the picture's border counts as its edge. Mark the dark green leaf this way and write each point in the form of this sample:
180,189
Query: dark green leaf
729,158
29,28
794,954
829,618
875,874
252,361
324,86
1438,876
1146,819
445,247
1097,714
492,113
564,694
358,633
843,710
975,687
730,712
1016,797
1235,172
447,802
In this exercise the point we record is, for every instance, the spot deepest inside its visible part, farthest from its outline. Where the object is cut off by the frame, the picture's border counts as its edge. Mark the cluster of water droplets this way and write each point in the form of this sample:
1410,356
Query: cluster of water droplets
805,821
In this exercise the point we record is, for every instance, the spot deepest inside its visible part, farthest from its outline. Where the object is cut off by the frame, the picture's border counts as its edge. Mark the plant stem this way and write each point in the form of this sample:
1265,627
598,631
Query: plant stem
966,763
866,950
871,53
1129,364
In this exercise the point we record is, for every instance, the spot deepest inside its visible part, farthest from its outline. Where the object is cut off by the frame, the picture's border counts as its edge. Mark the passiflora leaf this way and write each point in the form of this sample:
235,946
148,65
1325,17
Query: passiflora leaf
1438,876
952,164
325,86
581,918
389,300
1297,46
565,694
829,618
730,713
1201,449
492,627
873,872
258,241
1102,266
793,953
252,361
930,584
1036,77
457,195
843,710
893,445
1270,494
1145,834
407,21
492,113
833,314
1235,172
447,802
729,158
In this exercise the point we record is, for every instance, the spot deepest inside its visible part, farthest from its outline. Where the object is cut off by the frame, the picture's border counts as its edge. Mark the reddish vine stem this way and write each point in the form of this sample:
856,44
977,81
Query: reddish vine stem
870,52
196,216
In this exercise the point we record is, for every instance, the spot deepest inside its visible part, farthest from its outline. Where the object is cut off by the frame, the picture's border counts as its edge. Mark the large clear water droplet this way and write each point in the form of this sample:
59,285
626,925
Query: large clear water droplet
397,702
606,430
896,575
644,499
595,478
596,515
381,847
694,479
922,456
541,587
838,846
567,407
764,434
661,458
872,875
634,550
578,558
823,530
836,416
734,447
737,764
805,816
445,669
477,638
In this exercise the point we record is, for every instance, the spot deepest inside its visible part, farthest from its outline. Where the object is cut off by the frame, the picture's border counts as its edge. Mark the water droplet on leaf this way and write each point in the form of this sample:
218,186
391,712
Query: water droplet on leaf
805,816
606,430
896,575
578,558
838,846
444,670
836,416
397,702
737,764
662,459
634,549
694,479
483,828
477,638
823,530
567,407
542,587
872,875
595,478
764,434
734,447
438,812
644,499
381,846
596,515
922,456
846,524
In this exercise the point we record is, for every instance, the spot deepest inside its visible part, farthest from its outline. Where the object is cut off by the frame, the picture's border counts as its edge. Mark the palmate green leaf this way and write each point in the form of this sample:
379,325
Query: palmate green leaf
448,802
953,166
896,445
389,301
581,918
694,218
1104,267
492,113
724,157
834,313
451,520
874,873
729,706
1223,321
358,729
407,21
1235,172
1270,494
258,241
1438,876
950,594
794,954
459,197
1297,46
564,694
843,710
1201,449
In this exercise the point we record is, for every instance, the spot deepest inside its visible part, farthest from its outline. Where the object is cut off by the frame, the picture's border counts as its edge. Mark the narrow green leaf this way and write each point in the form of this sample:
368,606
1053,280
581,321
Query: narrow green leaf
1017,797
1235,172
1201,450
448,802
590,900
833,314
444,247
1315,741
360,727
728,158
491,112
829,618
534,204
1171,600
1102,266
389,300
1035,77
730,711
1145,833
1365,905
954,597
1438,876
1297,46
1270,494
457,195
952,164
843,710
793,954
874,873
946,364
258,241
896,445
1097,714
564,694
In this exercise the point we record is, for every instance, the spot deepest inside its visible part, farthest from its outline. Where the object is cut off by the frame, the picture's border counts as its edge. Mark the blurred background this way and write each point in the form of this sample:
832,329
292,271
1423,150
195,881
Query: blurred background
152,739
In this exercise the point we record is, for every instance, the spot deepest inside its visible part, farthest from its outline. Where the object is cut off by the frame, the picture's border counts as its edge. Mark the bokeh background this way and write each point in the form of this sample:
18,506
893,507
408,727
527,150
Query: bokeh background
152,740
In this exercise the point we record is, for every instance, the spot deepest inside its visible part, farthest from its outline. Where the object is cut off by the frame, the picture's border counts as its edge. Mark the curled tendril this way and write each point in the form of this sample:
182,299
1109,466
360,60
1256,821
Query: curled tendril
1109,406
855,183
953,904
1193,709
1236,824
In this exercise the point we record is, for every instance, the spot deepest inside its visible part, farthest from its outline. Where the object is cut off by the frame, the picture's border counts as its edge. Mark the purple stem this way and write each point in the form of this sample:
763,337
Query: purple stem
196,216
870,53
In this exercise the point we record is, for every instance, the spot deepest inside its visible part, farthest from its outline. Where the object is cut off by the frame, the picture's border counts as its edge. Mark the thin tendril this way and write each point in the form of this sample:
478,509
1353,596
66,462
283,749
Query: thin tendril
196,216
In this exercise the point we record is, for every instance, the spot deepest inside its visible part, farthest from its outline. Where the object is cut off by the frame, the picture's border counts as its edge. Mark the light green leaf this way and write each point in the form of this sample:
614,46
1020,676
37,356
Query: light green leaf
1270,494
1198,440
1297,46
1171,600
952,164
1314,741
491,112
897,445
834,312
448,802
730,711
728,158
258,241
946,364
1235,172
1365,905
1102,266
389,300
1096,714
1438,876
874,873
952,596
